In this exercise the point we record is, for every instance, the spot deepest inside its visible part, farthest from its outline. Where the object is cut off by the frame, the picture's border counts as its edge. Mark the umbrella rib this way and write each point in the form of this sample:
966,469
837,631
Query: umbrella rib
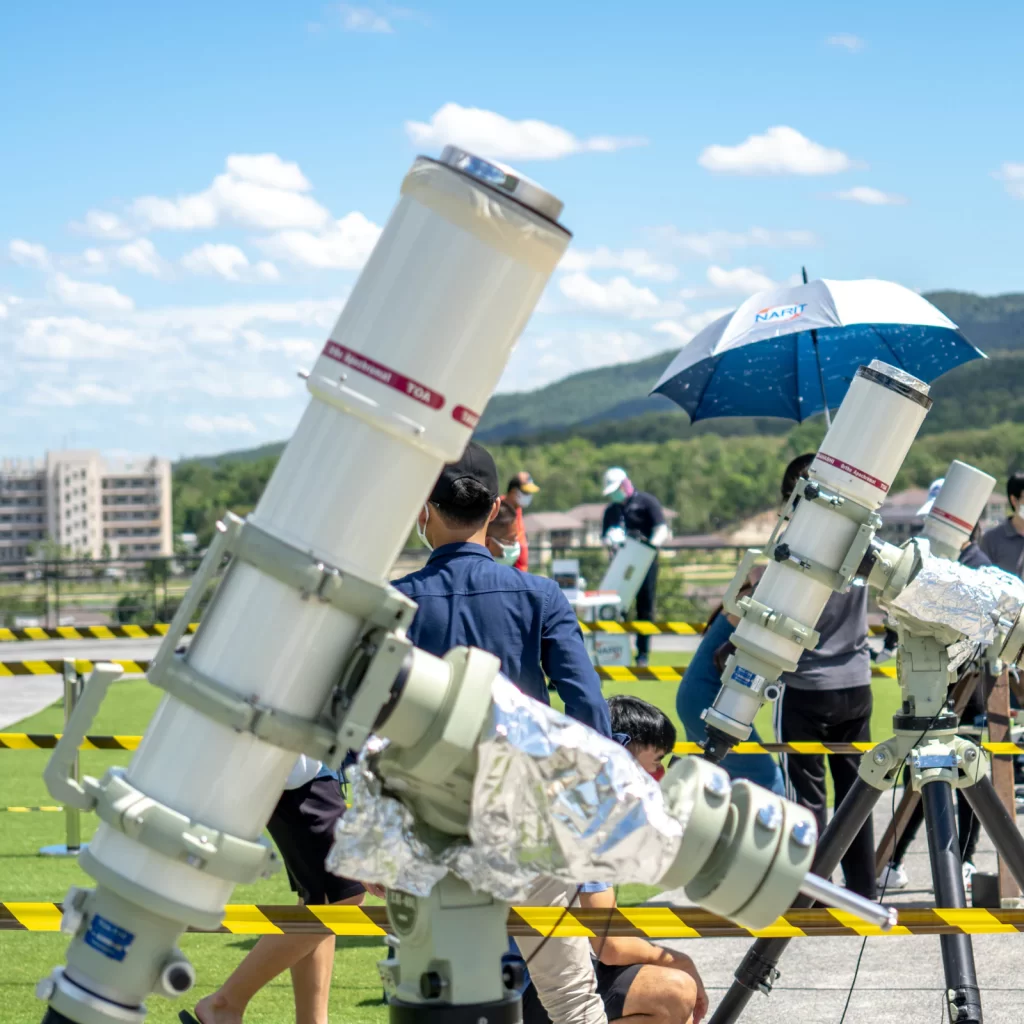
885,342
796,374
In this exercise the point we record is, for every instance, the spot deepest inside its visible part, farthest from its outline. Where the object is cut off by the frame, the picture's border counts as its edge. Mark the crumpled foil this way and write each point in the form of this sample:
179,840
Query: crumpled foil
551,798
375,840
898,374
952,601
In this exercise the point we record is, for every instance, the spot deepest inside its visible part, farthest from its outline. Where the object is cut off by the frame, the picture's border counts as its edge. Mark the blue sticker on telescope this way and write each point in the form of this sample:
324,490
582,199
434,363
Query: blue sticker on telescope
107,938
744,676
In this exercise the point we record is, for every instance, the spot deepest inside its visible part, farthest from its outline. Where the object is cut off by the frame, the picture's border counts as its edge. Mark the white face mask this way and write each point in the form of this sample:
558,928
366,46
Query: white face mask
523,500
421,531
509,552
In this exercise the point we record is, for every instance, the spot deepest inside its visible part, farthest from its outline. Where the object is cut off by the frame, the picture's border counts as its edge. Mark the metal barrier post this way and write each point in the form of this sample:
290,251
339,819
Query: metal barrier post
72,816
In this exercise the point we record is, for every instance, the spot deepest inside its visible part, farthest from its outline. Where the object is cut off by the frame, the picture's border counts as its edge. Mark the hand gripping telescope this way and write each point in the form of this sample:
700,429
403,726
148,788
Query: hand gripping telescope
303,649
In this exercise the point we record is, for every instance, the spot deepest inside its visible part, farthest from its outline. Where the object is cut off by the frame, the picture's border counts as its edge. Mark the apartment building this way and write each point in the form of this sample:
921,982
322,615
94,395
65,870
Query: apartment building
88,505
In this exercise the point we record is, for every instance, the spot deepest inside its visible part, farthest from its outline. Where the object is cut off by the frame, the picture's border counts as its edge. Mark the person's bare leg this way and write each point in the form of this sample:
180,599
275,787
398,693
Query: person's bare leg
271,956
311,981
659,995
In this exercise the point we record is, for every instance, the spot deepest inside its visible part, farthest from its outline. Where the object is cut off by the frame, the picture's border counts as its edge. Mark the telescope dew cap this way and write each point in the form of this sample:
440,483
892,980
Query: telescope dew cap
613,480
933,493
477,464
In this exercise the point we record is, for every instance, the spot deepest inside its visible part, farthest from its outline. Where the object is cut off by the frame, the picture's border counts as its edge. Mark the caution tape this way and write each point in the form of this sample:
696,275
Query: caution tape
159,629
608,673
645,922
128,632
47,741
29,810
55,666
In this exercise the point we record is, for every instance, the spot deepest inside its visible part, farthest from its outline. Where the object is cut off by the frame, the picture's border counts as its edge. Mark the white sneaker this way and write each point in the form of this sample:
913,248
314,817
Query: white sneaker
894,876
969,870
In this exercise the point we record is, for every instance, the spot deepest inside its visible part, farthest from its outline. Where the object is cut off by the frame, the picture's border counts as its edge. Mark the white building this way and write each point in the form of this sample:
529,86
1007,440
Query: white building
85,504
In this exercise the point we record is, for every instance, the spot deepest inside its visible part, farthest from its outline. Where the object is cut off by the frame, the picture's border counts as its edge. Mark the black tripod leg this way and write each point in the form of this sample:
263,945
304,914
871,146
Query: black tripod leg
999,826
947,877
756,972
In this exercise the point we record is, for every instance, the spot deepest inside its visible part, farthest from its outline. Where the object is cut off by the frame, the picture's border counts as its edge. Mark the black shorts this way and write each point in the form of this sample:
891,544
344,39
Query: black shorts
302,825
612,986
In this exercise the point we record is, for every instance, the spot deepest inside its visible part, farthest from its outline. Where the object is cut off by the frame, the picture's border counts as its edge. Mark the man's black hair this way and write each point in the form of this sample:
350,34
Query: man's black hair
470,504
643,723
794,471
514,484
1015,486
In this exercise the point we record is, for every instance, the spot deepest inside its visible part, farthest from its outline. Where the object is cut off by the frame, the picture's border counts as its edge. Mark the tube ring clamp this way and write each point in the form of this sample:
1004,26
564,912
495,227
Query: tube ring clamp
174,835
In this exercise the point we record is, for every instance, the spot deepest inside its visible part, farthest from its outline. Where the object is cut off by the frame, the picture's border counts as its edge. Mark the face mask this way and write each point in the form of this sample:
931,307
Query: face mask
618,496
523,501
421,531
509,552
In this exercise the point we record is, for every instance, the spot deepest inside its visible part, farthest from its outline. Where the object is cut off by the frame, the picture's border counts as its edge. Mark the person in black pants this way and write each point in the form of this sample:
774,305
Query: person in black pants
637,514
894,876
828,699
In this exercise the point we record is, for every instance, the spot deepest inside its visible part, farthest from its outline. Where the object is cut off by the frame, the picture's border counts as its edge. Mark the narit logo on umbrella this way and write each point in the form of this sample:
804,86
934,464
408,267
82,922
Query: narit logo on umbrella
779,313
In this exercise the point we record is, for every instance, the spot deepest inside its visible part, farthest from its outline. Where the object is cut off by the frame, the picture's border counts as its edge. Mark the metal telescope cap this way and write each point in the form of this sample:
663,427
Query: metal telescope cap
504,179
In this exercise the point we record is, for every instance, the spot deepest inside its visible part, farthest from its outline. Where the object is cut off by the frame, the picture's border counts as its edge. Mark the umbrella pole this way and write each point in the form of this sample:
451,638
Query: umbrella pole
817,360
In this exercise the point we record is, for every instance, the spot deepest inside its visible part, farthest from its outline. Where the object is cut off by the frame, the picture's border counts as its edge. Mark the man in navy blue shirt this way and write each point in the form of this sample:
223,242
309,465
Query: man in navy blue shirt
466,598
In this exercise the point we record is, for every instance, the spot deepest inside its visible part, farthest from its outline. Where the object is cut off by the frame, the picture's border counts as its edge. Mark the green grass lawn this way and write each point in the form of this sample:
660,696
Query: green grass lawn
26,877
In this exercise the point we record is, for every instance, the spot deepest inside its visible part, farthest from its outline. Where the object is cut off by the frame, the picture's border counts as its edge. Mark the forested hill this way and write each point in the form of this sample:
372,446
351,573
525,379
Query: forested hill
994,324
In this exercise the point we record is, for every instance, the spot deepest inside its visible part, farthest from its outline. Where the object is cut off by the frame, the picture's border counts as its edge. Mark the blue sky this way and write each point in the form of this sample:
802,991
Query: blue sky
190,189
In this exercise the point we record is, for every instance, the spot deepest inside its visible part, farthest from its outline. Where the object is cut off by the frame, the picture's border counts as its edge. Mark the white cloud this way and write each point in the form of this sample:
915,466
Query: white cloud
742,280
201,424
685,329
846,41
270,170
344,244
363,19
71,337
228,382
618,296
29,254
1012,175
86,295
103,224
718,244
292,347
228,262
261,191
95,259
77,393
870,196
781,150
3,310
491,135
638,262
141,255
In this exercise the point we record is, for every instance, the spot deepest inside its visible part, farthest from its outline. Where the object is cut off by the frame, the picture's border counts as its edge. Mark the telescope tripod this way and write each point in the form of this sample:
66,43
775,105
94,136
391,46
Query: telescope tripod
939,762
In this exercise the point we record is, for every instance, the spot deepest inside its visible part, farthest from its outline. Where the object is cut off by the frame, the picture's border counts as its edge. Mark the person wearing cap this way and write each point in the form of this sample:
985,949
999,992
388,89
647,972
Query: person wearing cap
466,597
894,875
1004,543
518,495
637,514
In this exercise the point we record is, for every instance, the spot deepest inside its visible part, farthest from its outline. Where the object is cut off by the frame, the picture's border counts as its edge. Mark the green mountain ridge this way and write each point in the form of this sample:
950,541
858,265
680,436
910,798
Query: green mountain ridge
610,404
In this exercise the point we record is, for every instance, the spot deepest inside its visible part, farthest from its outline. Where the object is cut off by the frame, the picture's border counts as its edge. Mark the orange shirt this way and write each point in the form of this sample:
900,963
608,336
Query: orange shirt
523,561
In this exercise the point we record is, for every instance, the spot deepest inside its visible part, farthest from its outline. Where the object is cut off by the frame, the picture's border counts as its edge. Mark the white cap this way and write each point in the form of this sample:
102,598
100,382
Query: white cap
613,479
933,493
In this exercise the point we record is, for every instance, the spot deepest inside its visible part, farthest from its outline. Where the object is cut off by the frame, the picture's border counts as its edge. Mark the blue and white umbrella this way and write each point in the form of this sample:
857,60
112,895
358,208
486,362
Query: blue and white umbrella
792,352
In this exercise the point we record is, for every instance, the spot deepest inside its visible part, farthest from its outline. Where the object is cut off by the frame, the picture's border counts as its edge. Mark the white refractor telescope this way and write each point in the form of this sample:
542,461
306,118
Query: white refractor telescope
303,647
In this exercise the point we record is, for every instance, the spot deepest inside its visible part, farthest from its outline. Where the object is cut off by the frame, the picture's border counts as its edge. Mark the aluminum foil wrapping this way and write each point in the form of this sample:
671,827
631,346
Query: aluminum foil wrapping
899,375
551,798
375,840
951,601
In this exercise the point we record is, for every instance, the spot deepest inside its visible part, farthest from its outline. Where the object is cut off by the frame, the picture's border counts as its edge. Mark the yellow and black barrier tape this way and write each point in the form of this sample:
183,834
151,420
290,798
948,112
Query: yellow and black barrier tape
159,629
647,922
30,810
55,666
47,741
126,632
609,673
